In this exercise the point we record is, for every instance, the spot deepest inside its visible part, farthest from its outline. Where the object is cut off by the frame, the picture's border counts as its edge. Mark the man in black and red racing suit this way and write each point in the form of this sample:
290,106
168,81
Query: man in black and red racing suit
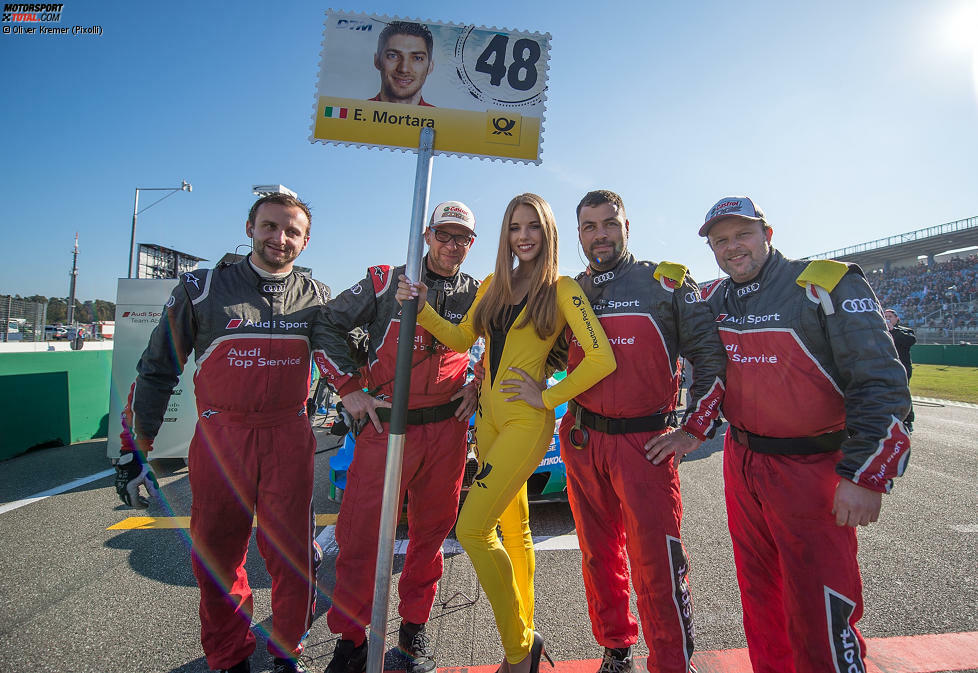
622,479
439,409
816,399
250,326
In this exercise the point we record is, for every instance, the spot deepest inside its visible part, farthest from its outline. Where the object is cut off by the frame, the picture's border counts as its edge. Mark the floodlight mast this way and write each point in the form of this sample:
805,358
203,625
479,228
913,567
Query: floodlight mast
184,187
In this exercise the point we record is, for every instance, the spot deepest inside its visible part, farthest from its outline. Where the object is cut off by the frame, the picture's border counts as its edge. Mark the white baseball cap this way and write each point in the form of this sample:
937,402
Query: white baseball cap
453,212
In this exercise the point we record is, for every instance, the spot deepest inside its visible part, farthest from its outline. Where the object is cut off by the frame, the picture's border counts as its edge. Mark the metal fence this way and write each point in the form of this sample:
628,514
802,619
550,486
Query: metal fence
21,320
952,323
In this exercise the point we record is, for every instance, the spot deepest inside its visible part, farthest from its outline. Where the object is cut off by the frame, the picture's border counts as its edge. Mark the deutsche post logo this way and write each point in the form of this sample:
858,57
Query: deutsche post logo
503,127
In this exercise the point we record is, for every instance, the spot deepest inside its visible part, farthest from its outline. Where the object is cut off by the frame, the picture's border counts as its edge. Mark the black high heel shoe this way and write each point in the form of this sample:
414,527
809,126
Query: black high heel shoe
537,650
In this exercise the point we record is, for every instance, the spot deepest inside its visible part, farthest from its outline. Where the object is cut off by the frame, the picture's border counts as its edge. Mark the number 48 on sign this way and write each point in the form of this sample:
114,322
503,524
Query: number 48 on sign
381,79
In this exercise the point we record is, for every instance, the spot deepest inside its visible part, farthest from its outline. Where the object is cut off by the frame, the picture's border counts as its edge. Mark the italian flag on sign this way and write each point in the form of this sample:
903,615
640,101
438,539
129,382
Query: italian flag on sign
335,112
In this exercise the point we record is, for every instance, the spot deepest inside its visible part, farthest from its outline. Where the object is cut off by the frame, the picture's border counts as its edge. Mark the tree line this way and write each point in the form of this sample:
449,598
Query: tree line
85,311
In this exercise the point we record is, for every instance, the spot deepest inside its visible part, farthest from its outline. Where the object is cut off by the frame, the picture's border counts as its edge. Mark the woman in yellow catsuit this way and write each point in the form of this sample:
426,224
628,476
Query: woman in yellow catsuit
521,309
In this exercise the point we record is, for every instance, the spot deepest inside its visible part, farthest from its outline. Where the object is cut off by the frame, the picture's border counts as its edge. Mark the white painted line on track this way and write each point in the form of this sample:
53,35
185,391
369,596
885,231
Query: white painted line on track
946,403
966,529
327,540
55,491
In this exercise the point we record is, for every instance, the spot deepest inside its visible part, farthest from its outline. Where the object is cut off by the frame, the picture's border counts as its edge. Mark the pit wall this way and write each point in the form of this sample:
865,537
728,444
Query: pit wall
53,398
957,356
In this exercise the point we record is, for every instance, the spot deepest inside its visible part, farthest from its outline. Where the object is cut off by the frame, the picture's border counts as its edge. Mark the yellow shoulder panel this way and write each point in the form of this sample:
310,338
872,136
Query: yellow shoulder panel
824,273
671,270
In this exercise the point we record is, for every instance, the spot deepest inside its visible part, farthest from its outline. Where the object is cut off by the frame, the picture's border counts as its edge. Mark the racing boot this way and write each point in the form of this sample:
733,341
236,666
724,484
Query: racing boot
414,643
243,666
617,660
348,658
289,666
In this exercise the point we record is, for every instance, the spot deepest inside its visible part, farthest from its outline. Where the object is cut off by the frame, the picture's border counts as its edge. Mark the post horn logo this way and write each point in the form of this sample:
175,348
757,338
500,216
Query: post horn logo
503,125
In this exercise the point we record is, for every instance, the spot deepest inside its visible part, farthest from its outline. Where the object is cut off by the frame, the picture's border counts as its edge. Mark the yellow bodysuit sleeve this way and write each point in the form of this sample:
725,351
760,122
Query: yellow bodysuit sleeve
458,337
599,359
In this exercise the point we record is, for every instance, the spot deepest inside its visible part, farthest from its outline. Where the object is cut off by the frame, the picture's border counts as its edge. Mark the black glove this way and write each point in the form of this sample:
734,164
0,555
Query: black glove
131,471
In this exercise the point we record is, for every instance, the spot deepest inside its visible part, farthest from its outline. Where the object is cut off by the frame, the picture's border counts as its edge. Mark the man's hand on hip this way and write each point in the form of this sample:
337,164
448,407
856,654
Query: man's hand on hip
470,401
672,441
855,505
360,405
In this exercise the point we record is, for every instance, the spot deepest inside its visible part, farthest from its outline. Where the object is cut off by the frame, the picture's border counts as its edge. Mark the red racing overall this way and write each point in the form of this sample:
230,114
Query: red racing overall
626,508
434,447
812,397
252,451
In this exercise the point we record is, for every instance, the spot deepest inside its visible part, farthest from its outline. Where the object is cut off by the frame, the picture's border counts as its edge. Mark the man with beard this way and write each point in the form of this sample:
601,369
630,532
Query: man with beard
404,60
439,408
622,478
251,326
816,399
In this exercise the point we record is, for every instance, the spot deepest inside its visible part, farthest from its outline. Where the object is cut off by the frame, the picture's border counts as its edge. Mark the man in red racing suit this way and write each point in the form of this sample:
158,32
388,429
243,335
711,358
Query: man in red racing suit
815,400
439,409
622,478
250,326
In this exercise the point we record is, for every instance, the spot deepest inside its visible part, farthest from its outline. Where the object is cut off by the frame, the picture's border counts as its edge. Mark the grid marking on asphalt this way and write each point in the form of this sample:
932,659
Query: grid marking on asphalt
16,504
327,540
164,522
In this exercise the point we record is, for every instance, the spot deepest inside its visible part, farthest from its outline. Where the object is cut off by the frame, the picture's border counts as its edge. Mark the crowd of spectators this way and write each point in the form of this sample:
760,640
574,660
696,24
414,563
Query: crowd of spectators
942,295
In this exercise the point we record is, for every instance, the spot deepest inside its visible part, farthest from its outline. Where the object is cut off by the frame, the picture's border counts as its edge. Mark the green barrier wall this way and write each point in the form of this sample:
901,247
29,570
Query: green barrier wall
53,397
959,356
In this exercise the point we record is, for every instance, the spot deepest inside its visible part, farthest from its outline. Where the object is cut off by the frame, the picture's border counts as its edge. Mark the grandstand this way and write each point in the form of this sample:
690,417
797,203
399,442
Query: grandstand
930,276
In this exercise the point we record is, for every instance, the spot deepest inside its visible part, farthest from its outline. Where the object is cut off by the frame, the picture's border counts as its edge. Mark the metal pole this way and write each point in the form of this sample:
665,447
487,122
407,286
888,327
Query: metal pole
391,507
71,288
132,235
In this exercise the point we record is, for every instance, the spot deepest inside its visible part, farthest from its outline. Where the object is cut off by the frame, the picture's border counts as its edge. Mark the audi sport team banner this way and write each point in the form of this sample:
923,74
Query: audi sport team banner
381,79
139,304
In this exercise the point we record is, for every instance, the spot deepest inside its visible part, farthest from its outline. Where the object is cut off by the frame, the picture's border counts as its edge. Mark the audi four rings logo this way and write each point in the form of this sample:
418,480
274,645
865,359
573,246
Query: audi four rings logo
691,298
747,289
603,278
860,305
273,287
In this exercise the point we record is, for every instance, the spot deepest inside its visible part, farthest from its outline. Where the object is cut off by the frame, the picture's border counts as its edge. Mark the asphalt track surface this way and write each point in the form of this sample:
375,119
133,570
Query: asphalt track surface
77,594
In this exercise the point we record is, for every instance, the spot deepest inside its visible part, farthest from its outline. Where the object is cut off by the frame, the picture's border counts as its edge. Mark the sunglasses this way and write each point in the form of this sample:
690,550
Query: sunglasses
461,240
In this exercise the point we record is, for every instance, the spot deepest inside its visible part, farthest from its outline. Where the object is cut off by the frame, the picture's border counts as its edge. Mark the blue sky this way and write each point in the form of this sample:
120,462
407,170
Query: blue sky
845,121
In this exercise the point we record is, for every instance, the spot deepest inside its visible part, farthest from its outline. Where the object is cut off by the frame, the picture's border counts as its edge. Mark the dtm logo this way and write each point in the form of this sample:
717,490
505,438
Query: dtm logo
747,289
192,279
859,305
603,278
273,288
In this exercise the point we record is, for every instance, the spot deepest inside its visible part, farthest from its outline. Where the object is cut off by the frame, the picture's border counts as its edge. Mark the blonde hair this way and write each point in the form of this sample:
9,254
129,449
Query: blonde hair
541,297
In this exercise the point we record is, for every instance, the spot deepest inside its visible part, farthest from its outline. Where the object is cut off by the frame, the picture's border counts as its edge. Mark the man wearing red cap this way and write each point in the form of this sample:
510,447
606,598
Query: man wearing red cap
439,408
816,399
